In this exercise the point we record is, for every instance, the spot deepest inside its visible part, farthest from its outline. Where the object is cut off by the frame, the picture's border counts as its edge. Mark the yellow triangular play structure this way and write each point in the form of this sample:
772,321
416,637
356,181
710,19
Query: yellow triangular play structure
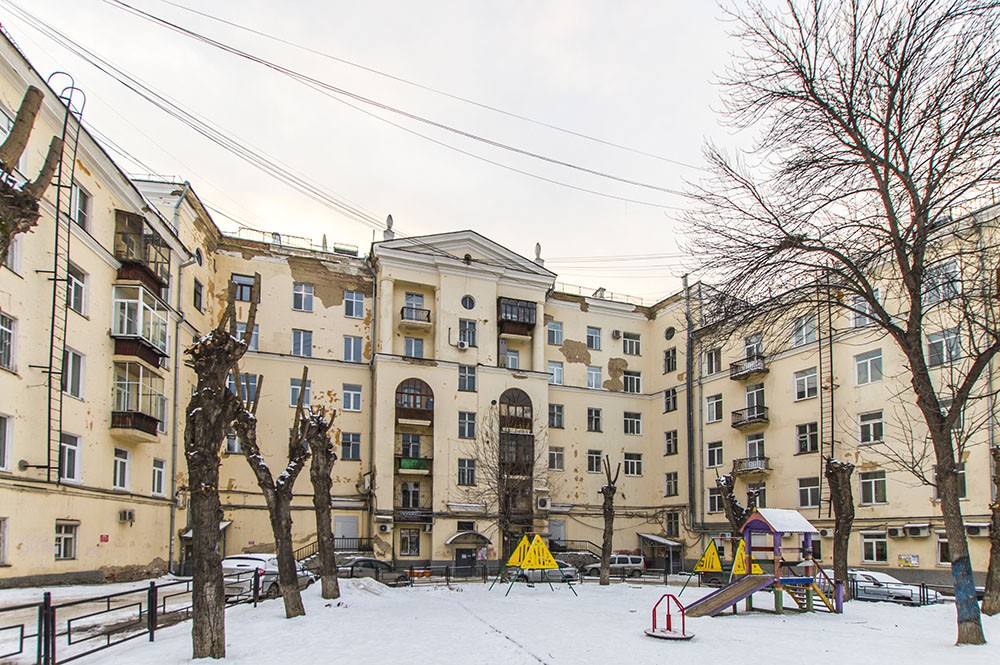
709,561
740,562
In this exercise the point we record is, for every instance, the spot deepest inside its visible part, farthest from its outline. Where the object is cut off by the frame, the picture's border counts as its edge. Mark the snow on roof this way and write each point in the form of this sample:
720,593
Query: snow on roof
660,540
786,521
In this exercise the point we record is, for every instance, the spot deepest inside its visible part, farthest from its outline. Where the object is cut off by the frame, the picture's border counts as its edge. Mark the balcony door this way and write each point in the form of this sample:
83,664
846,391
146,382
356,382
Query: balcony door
755,400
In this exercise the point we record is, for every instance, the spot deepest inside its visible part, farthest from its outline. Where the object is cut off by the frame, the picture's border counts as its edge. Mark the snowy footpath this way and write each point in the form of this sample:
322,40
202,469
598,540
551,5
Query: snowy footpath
468,624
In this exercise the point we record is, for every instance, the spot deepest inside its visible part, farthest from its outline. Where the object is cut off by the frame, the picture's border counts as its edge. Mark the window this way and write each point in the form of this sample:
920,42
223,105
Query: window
715,501
6,342
410,492
556,416
409,542
809,492
467,331
296,388
244,287
413,307
755,445
80,208
804,330
759,492
466,425
806,384
871,427
352,397
72,376
13,259
352,349
670,400
233,446
753,346
593,419
633,422
713,361
69,458
670,484
410,445
594,461
556,373
76,289
594,377
672,524
248,389
241,329
159,472
807,435
555,333
354,304
350,445
119,476
863,310
302,343
6,424
714,453
817,546
66,536
713,408
593,338
468,302
868,367
630,344
413,347
467,378
874,548
755,400
513,359
670,360
872,487
670,442
941,282
556,458
3,540
466,472
302,297
633,382
633,464
943,347
198,297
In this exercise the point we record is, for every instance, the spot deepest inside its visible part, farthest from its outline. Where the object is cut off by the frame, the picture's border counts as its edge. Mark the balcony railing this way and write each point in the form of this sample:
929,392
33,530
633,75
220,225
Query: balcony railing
416,464
412,515
134,420
741,369
751,415
141,317
139,401
415,314
751,465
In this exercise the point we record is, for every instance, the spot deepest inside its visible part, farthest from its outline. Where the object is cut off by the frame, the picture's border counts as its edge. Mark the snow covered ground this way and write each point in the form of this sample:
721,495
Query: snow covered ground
468,624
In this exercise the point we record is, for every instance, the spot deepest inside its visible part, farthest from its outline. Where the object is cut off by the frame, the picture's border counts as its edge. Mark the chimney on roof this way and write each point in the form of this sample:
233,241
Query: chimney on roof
388,234
538,254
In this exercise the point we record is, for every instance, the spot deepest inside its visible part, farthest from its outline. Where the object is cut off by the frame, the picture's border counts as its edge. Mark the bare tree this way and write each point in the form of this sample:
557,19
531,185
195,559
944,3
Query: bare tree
212,409
735,512
317,434
877,123
19,210
608,492
838,477
991,599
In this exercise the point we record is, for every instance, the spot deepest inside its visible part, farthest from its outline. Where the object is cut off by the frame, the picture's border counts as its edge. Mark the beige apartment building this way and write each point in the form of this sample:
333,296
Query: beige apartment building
448,361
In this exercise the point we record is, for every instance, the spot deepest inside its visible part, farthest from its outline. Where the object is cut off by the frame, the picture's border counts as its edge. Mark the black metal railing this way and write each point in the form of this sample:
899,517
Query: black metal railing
557,545
750,416
751,464
418,314
340,544
748,367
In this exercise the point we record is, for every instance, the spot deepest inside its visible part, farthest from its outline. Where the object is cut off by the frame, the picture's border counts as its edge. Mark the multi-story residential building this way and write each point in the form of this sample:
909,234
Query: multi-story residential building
448,360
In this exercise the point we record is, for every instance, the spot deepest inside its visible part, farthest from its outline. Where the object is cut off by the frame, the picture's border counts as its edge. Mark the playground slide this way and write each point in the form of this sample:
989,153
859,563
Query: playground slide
717,601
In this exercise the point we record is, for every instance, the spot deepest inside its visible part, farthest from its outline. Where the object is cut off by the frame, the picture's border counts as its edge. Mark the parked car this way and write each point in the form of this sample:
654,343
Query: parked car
565,572
633,565
237,571
876,585
363,566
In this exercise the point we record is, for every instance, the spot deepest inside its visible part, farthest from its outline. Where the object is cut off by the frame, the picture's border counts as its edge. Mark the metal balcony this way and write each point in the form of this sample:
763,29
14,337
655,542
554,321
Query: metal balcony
752,465
752,415
412,515
416,466
134,426
414,318
742,369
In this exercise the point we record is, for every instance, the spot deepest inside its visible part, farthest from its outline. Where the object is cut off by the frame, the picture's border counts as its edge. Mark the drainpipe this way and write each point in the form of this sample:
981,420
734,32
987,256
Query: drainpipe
371,400
176,388
689,400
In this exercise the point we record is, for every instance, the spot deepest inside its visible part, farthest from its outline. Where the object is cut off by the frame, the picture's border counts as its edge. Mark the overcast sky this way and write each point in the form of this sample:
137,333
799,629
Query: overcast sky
638,74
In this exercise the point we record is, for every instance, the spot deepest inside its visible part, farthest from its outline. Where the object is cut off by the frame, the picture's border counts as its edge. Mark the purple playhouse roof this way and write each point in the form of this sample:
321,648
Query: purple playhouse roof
785,521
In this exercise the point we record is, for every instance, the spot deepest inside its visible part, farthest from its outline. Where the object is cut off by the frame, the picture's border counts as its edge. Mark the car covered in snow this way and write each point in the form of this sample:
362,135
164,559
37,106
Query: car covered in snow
363,566
237,571
876,585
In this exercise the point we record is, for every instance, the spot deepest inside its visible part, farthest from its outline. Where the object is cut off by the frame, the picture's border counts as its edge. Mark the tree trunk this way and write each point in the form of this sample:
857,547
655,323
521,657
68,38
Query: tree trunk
323,457
280,508
736,514
608,508
991,601
838,476
208,601
17,140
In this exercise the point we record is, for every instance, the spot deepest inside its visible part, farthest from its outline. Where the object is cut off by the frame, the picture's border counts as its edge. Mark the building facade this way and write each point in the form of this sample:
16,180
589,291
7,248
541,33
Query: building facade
474,399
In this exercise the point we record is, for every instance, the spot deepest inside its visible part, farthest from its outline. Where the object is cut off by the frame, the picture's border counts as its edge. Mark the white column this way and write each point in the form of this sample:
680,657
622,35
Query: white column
538,341
386,316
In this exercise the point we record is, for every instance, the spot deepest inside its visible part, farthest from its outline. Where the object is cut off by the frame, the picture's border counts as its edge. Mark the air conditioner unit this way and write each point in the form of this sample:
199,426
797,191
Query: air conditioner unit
616,334
824,532
384,528
918,531
462,344
895,532
544,503
428,528
127,515
977,530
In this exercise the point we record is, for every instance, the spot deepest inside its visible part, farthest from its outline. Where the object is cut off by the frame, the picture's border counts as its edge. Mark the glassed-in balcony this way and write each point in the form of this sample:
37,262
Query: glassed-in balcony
139,406
516,317
143,254
140,324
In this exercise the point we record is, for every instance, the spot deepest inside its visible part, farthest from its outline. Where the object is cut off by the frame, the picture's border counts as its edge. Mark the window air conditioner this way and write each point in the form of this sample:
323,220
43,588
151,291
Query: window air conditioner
127,515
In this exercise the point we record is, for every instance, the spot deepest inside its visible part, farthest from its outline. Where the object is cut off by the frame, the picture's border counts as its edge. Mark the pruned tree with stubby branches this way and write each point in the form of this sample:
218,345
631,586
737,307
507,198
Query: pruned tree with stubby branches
876,129
211,411
317,435
607,492
278,492
838,477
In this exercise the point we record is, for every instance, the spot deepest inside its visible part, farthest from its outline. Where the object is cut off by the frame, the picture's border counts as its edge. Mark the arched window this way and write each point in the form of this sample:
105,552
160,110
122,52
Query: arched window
515,411
414,394
410,495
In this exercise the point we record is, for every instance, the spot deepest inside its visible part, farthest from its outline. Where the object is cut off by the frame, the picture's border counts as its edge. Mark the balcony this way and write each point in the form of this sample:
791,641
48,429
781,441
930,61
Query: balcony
744,369
414,403
140,324
403,515
413,466
139,403
414,318
516,318
136,423
144,257
749,465
752,415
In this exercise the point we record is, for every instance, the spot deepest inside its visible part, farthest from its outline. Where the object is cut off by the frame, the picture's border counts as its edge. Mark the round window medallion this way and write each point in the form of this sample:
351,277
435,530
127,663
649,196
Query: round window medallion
468,302
669,332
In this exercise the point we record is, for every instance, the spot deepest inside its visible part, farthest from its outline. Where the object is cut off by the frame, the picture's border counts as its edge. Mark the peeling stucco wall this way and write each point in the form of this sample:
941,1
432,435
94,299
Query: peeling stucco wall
575,351
616,369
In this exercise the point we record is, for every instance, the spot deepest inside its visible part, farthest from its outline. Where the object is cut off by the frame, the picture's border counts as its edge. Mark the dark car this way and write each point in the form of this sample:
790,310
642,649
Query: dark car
369,567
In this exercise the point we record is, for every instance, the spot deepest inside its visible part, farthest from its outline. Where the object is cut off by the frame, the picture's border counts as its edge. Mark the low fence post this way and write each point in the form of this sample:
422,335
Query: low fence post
151,611
447,575
256,586
48,634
